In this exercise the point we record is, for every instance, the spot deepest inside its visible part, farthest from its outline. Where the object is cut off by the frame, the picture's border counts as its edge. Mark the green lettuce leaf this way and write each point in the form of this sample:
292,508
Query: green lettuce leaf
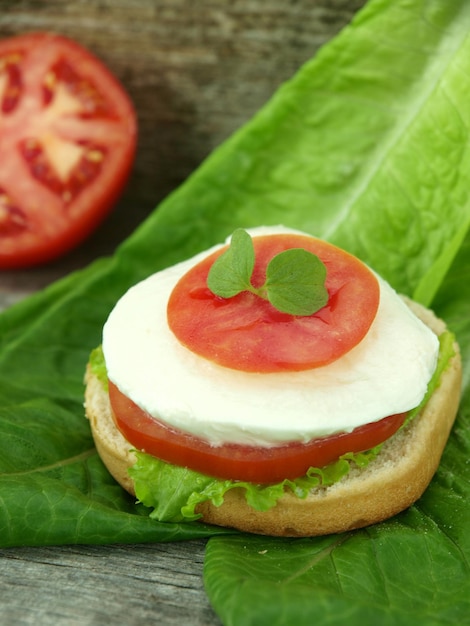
174,492
413,569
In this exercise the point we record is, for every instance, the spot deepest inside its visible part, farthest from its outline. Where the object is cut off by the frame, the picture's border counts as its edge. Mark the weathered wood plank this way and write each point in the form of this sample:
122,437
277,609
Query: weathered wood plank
131,585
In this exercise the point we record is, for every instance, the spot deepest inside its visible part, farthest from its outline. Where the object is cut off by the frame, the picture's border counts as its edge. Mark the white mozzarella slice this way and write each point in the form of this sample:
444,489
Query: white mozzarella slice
387,373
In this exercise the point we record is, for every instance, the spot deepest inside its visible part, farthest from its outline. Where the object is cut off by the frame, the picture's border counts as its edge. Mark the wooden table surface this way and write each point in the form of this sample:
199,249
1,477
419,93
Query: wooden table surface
195,75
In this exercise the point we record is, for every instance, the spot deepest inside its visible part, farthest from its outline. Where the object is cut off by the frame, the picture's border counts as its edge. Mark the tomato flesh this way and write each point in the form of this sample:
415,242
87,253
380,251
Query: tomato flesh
67,144
240,462
247,333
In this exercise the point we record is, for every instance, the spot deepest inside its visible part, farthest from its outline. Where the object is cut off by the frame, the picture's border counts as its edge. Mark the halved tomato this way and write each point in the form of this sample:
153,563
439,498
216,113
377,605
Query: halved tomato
67,143
247,333
239,462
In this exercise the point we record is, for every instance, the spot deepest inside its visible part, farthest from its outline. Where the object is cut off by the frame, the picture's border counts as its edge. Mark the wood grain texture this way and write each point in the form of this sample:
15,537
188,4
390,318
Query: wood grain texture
195,72
120,585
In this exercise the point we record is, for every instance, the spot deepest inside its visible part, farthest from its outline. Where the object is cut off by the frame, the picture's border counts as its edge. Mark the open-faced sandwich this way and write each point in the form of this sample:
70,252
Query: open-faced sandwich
273,384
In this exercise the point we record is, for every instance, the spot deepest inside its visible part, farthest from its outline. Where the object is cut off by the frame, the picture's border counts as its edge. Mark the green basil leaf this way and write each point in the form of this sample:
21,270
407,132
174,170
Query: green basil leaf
295,282
231,272
295,278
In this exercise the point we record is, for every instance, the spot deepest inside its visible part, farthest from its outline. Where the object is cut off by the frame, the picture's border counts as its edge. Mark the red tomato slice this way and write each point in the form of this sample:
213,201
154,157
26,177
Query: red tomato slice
239,462
67,143
247,333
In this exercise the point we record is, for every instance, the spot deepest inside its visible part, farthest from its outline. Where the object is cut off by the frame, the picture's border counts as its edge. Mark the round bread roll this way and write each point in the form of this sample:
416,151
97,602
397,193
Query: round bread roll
388,485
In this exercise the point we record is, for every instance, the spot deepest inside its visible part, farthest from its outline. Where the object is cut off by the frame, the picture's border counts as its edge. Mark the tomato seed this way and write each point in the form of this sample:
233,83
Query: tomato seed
95,156
91,99
12,219
84,172
14,83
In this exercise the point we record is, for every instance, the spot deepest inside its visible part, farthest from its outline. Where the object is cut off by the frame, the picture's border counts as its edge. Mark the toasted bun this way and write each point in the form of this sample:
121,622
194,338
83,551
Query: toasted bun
389,484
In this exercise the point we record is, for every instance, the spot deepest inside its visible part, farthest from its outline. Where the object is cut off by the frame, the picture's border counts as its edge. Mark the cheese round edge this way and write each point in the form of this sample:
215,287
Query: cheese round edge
386,373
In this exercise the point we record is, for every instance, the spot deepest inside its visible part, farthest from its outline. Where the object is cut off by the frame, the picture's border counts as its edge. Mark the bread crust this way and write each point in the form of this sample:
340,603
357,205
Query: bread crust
388,485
